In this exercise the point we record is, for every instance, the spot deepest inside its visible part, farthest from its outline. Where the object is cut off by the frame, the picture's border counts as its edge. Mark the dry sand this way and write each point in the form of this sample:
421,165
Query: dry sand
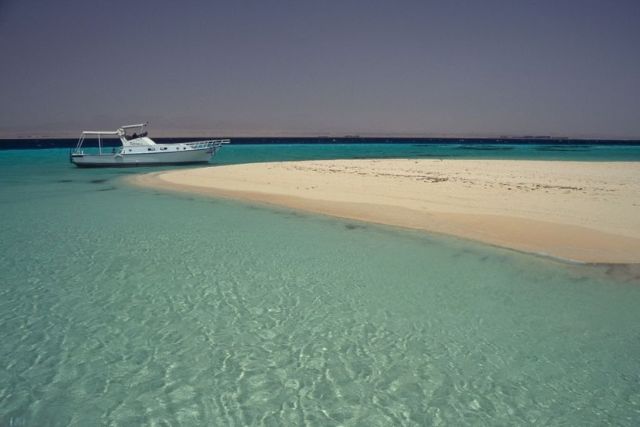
580,211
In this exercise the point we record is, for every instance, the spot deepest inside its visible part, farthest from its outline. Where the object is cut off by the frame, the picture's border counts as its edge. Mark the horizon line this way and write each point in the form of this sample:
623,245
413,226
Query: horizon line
333,135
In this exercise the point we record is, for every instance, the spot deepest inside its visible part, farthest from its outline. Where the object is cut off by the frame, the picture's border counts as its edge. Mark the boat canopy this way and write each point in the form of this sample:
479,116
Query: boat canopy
135,139
100,132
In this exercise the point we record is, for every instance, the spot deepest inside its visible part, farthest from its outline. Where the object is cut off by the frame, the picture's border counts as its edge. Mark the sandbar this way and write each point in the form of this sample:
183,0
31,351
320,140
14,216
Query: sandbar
587,212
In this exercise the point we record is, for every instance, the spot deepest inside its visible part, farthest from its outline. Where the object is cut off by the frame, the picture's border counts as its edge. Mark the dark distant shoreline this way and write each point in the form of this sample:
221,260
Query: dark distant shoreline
44,143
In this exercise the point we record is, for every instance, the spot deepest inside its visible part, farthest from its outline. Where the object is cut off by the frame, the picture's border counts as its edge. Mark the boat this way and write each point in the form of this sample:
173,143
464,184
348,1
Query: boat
140,150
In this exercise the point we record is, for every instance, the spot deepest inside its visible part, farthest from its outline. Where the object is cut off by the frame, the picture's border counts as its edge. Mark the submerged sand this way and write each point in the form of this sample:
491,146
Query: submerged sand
580,211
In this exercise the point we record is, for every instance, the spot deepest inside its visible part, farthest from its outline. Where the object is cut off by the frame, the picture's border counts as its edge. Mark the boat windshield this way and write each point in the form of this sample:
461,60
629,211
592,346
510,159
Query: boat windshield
135,135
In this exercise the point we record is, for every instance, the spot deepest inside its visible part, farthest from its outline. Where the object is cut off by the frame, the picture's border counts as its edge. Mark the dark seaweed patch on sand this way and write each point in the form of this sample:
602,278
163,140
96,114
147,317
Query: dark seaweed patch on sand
625,272
354,227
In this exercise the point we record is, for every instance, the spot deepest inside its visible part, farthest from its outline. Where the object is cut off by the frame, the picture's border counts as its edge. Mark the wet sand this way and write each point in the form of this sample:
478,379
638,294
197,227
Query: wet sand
579,211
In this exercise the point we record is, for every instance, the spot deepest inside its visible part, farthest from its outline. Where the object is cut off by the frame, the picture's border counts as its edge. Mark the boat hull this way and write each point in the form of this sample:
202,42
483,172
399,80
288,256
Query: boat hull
143,159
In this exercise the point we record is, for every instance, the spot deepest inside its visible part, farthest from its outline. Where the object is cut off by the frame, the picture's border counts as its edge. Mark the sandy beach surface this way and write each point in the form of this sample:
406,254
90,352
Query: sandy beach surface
580,211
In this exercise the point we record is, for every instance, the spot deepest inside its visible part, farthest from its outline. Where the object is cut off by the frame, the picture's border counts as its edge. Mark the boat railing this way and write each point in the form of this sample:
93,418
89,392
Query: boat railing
200,145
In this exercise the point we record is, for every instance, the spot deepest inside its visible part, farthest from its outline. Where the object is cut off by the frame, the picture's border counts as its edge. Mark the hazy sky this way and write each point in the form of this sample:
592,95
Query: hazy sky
563,67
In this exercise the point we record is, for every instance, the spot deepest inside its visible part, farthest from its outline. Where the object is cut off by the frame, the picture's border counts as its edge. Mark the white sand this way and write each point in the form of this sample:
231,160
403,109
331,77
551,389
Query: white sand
582,211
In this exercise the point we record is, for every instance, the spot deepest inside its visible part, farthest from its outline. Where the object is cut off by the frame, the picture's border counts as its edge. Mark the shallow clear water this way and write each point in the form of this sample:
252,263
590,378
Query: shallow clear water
132,307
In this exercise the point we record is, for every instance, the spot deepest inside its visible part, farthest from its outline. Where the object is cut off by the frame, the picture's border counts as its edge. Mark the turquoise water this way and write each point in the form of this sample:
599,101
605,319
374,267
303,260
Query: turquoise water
121,306
577,152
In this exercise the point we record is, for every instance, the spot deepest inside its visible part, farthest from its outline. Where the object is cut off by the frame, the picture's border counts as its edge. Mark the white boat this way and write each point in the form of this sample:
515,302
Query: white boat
140,150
